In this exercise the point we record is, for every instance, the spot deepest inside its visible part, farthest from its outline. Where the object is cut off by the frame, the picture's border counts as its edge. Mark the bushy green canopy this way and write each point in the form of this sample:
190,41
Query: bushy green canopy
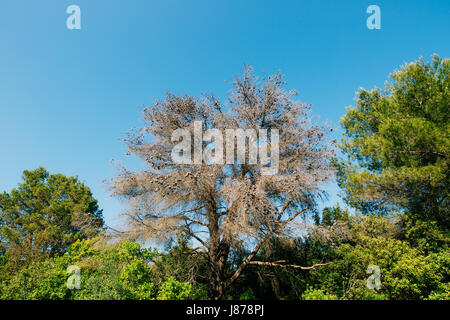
397,144
45,214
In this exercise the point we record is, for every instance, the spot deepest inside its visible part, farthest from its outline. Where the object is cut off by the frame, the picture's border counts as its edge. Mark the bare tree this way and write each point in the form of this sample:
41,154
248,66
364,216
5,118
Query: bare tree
223,204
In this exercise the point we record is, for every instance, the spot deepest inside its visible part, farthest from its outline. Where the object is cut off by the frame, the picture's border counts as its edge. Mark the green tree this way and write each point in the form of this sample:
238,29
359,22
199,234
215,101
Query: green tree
108,271
45,214
228,203
396,141
172,289
331,214
39,280
113,271
406,272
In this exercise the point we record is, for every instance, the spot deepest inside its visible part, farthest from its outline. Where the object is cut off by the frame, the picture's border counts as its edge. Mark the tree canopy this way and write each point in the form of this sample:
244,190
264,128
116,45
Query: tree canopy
226,203
45,214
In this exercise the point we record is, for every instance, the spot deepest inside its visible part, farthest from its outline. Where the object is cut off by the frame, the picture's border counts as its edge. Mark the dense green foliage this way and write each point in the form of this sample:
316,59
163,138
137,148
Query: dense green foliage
397,143
44,215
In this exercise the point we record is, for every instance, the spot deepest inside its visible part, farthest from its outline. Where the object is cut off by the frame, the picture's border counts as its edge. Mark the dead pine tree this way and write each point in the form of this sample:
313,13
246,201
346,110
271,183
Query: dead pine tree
227,202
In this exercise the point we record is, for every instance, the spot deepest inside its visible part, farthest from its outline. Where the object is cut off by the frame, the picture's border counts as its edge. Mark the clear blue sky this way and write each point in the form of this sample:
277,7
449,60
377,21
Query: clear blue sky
67,96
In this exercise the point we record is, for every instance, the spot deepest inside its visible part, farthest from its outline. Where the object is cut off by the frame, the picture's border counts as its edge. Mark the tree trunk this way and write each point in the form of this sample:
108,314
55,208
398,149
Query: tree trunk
218,255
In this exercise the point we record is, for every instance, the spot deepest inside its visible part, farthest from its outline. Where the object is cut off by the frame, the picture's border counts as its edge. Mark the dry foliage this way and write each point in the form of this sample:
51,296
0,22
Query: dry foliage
219,205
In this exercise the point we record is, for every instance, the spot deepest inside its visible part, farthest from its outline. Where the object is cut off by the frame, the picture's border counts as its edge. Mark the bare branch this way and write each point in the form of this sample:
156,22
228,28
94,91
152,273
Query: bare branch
274,264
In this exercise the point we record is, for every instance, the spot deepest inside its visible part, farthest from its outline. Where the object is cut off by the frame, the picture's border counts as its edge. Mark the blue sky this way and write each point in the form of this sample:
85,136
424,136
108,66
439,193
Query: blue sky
67,96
